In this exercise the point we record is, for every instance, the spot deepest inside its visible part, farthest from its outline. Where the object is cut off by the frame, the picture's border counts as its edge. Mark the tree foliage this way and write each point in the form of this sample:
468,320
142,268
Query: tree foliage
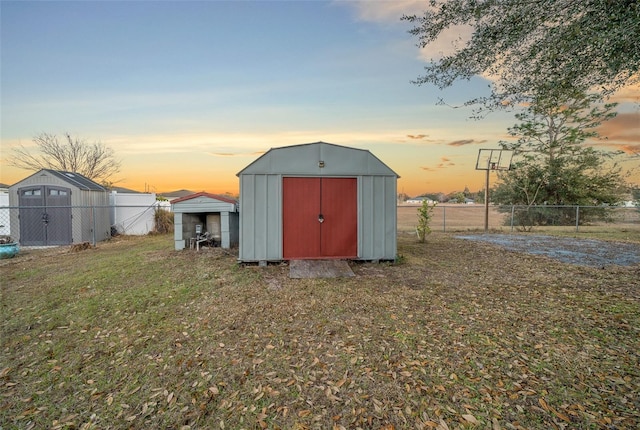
72,154
555,165
531,47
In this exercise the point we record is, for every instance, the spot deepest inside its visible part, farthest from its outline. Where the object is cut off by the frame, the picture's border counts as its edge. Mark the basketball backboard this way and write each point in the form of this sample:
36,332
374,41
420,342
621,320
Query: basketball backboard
494,159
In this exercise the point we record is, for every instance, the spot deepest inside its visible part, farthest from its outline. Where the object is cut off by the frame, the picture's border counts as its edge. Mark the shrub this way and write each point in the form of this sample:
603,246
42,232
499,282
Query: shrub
163,221
425,213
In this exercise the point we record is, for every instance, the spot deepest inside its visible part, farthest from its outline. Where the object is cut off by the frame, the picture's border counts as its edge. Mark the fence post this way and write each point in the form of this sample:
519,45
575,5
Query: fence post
577,217
444,219
512,214
93,220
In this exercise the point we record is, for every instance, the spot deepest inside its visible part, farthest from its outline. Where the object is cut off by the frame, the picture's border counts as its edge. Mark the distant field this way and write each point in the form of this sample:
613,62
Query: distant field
456,217
625,224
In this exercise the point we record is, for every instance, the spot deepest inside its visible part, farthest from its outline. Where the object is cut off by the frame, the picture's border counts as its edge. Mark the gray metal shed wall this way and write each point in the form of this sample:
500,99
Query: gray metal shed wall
261,217
377,223
261,197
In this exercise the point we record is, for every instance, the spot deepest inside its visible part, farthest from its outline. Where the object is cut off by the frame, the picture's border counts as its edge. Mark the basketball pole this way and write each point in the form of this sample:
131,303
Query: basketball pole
486,200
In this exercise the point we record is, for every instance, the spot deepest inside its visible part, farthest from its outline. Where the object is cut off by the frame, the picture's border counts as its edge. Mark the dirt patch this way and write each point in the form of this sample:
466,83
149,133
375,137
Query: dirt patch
319,269
585,252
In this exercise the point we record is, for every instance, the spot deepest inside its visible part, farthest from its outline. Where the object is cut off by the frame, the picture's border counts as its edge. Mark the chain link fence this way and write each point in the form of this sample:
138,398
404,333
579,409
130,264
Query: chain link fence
461,217
40,226
44,226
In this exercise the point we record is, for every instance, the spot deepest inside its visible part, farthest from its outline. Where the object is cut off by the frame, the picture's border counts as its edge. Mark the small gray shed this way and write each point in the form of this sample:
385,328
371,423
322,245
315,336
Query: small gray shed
204,217
59,208
317,201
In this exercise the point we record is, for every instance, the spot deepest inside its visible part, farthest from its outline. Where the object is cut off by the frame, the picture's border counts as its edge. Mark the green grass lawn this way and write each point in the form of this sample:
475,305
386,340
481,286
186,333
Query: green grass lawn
133,334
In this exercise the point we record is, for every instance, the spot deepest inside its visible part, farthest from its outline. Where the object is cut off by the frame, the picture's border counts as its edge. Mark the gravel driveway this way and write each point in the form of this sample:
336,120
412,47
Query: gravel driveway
586,252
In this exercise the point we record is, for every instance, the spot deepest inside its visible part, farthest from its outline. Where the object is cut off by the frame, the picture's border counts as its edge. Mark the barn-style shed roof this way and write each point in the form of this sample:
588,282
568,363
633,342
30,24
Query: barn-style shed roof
318,159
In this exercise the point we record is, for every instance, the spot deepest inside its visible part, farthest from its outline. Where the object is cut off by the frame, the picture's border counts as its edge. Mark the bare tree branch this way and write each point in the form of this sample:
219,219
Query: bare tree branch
72,154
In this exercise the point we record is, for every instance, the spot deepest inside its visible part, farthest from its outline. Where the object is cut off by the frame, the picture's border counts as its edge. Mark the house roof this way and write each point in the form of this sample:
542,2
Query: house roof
125,190
176,194
203,194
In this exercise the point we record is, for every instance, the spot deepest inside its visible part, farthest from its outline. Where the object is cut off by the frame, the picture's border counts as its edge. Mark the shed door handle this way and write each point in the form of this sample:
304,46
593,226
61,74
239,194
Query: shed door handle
320,218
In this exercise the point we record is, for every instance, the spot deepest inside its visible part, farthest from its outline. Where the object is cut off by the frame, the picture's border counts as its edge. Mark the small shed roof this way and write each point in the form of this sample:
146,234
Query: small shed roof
305,159
75,179
225,199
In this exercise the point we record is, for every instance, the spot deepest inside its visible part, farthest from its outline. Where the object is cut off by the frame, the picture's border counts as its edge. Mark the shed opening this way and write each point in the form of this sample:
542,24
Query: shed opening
202,229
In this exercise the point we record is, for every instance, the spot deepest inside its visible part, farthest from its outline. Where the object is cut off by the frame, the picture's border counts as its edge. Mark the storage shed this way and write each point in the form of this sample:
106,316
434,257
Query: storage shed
205,218
59,208
317,201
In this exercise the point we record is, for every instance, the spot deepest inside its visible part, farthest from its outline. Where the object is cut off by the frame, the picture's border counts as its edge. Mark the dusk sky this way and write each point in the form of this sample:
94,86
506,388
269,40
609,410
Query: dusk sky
190,93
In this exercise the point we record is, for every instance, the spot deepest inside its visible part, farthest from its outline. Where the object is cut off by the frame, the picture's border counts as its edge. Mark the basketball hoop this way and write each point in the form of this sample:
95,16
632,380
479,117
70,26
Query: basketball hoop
492,159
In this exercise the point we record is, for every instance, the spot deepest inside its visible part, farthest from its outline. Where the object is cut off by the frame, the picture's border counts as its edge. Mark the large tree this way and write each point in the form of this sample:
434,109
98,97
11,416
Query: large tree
531,47
555,163
72,154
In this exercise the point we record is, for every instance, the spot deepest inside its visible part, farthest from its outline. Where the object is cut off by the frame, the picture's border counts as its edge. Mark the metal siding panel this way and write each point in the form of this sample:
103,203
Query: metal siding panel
366,218
223,219
177,231
343,161
260,218
298,160
274,217
247,190
378,218
386,227
391,251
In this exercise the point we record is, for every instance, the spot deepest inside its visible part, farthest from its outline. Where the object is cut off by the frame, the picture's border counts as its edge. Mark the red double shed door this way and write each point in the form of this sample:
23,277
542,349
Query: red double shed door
320,218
